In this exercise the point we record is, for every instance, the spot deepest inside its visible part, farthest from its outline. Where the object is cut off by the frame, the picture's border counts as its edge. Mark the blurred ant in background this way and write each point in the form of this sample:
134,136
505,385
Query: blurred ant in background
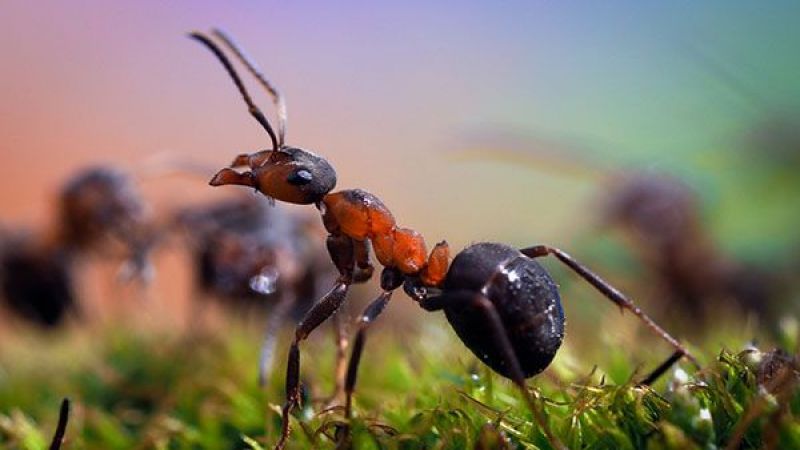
768,151
661,220
101,210
254,258
503,305
97,210
37,279
661,217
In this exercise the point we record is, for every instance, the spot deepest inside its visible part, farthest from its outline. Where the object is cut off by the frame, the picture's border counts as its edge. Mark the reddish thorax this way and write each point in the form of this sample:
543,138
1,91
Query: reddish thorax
361,216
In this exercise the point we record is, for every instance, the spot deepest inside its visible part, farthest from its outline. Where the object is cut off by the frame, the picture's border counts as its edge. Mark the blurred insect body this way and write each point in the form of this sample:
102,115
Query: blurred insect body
98,210
251,256
502,304
37,280
662,222
234,246
663,218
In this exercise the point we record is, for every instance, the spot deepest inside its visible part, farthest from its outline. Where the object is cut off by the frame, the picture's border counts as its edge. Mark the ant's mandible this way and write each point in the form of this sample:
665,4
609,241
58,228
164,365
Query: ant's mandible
502,304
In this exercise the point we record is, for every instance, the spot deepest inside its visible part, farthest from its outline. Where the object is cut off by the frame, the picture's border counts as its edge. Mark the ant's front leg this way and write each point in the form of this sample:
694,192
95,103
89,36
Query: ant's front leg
340,248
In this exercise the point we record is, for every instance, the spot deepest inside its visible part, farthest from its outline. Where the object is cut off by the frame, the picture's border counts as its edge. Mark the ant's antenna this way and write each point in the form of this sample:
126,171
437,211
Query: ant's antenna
254,111
277,98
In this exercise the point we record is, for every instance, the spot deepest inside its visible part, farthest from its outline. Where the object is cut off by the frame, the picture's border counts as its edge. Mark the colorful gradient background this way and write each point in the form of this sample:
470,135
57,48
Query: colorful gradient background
393,95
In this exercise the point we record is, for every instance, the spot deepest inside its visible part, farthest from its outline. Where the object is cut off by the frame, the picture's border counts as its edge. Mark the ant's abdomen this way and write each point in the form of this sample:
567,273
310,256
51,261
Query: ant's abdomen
525,297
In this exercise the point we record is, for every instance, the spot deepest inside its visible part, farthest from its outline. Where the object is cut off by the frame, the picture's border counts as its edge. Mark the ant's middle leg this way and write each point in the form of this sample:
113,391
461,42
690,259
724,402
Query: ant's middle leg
391,279
609,291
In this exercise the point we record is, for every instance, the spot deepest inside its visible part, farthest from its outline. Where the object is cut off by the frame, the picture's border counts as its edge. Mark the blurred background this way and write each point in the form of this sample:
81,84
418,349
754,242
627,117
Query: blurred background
659,144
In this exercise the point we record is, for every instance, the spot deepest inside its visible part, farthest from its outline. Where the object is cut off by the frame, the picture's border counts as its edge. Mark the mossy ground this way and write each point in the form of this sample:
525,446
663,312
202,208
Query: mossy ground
175,391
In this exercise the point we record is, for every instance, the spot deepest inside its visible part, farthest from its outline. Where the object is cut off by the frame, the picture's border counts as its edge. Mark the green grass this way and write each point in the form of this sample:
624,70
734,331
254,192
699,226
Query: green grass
416,391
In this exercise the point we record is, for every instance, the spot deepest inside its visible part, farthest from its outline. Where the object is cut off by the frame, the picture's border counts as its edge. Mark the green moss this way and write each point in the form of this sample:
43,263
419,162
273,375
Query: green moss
180,393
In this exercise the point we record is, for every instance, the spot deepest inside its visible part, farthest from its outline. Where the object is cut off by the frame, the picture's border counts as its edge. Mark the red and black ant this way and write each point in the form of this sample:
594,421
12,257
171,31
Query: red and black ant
502,304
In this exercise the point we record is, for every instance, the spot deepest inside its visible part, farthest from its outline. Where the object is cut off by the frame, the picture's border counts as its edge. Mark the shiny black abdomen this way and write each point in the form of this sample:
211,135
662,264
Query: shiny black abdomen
523,294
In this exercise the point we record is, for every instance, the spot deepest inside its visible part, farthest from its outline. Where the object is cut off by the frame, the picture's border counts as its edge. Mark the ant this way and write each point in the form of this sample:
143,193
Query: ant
100,207
248,257
660,219
95,207
503,305
662,216
37,279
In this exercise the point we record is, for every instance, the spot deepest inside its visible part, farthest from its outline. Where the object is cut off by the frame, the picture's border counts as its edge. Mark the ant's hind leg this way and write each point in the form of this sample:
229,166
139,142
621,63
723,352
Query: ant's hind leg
502,342
609,291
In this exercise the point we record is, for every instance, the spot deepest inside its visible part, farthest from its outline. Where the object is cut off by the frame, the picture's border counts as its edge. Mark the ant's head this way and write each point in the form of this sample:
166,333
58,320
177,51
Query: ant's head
284,173
290,175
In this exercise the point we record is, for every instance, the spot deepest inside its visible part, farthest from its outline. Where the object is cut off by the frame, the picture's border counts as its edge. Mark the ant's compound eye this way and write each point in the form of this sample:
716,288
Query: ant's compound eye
299,177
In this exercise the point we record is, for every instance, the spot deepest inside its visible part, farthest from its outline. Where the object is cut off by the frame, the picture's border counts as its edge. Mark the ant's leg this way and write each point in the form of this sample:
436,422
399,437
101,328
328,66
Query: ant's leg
319,312
609,291
369,315
391,279
663,367
499,336
340,248
61,428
